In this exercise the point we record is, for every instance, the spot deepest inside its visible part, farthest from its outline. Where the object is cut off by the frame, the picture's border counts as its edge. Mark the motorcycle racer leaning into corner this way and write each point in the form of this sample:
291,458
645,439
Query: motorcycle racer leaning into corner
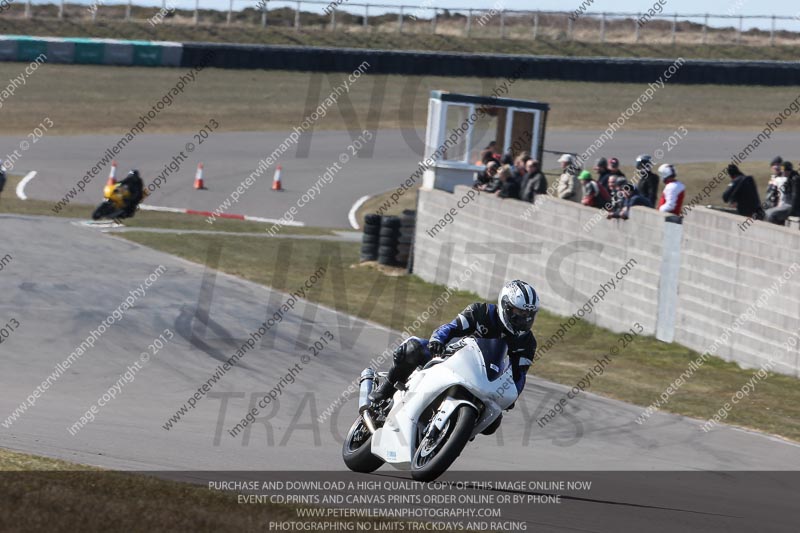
511,320
133,182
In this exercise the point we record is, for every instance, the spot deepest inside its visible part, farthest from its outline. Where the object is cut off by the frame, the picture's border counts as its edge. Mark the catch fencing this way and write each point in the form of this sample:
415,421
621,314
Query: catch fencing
652,25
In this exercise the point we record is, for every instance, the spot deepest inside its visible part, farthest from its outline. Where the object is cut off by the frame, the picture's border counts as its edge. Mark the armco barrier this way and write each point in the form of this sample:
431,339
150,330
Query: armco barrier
599,69
690,283
318,59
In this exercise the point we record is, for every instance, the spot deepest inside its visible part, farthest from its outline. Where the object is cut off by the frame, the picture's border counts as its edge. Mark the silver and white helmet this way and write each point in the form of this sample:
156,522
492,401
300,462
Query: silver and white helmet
666,172
517,306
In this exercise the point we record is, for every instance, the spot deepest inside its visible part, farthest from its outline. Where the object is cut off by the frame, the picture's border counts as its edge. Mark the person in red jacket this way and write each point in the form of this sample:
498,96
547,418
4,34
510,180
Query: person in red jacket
594,194
672,197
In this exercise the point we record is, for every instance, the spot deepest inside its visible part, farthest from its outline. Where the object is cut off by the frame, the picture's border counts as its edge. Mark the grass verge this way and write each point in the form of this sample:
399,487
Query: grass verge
373,205
42,494
640,372
9,203
257,100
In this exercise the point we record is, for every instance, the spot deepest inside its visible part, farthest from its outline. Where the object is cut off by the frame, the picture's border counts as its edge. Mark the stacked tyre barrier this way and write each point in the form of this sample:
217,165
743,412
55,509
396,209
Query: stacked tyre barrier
404,243
370,241
388,239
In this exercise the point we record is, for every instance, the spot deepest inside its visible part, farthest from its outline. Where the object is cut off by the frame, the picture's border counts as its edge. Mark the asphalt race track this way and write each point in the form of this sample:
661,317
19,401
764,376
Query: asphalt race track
230,157
66,278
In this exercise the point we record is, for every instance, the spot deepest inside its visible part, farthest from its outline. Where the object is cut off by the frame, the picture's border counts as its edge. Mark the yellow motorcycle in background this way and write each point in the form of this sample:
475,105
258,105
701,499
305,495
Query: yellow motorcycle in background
116,198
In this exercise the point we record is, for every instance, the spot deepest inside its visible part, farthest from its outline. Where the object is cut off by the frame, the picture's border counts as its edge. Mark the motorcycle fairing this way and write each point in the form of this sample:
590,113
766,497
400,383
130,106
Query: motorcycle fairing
396,441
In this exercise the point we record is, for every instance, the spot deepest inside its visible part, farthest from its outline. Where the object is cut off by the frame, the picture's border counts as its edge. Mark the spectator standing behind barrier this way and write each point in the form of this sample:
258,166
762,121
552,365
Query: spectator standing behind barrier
742,193
569,188
613,168
486,180
489,153
647,184
787,185
772,196
631,197
2,178
509,187
601,167
533,183
672,197
518,170
593,194
615,184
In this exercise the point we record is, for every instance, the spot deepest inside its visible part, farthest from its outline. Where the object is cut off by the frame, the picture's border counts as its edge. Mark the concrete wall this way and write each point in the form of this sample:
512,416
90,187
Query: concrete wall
685,282
739,290
549,248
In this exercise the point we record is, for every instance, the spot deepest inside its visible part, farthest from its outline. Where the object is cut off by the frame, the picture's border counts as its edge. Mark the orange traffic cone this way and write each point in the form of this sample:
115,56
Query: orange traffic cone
276,180
112,175
198,178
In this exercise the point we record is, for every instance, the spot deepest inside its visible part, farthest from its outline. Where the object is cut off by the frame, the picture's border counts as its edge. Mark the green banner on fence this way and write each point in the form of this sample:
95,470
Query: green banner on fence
89,52
146,55
30,49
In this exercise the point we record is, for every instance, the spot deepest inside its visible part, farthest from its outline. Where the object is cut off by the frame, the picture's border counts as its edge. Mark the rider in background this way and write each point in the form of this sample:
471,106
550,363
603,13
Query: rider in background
511,320
133,182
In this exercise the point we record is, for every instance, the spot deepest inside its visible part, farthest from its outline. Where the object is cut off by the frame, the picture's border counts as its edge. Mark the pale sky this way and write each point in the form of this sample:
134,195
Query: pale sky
789,8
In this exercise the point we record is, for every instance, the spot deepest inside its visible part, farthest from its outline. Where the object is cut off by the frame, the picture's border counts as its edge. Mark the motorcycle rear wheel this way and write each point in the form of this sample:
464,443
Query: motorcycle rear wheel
434,456
357,449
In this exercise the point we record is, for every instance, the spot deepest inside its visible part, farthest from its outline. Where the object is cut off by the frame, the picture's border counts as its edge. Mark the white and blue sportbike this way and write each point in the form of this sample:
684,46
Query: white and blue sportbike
430,419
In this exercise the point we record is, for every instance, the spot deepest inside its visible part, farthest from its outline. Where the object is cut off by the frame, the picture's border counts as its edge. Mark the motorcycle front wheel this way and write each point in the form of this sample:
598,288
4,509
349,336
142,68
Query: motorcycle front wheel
435,455
357,449
103,210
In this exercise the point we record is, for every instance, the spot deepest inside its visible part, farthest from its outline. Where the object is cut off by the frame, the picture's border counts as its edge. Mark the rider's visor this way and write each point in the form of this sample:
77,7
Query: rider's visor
522,313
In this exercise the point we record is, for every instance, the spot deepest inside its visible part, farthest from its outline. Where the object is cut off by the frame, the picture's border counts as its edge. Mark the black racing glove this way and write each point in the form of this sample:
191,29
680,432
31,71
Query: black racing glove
436,347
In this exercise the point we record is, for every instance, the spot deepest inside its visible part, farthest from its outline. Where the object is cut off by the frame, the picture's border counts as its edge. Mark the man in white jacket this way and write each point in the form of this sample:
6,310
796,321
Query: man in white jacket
569,188
674,191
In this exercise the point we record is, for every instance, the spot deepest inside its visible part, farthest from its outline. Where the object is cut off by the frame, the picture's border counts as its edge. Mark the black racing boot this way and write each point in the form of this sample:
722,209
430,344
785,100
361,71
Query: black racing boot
406,359
387,389
384,392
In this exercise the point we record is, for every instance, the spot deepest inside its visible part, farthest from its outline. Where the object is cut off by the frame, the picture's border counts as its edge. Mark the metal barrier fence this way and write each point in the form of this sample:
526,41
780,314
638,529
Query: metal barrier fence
649,26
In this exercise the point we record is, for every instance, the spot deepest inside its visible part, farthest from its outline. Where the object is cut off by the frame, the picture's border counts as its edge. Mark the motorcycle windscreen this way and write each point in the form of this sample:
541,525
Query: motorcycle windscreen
494,352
